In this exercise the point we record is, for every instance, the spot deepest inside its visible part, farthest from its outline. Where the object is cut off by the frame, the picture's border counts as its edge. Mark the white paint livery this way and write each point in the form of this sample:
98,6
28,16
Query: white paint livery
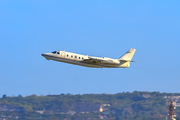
88,61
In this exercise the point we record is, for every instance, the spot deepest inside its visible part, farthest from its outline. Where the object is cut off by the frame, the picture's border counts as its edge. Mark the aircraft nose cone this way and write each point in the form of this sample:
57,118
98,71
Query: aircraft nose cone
44,54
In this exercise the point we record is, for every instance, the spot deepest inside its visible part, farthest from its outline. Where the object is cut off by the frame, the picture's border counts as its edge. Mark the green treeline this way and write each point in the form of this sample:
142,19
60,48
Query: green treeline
123,106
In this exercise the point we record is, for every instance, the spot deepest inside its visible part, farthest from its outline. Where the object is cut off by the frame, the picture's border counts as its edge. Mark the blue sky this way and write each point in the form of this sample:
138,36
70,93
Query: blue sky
101,28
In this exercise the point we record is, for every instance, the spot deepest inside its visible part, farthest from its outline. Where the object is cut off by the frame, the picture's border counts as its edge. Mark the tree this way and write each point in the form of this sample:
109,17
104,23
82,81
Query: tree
28,108
4,96
20,96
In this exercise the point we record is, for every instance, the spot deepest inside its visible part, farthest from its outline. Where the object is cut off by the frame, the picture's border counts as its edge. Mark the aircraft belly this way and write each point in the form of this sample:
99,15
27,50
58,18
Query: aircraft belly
81,63
71,61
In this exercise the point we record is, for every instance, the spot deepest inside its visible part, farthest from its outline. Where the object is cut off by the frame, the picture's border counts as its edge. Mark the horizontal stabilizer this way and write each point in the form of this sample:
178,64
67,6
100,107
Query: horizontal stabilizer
127,61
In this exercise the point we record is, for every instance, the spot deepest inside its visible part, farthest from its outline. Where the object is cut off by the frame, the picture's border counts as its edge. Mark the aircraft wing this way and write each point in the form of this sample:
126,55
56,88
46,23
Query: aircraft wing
97,61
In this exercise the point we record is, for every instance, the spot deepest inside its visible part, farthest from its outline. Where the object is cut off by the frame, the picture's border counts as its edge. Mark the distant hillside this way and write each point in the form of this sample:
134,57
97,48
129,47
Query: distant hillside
135,105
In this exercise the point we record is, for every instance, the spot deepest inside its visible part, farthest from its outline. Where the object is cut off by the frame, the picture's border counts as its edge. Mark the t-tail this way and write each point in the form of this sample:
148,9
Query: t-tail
126,58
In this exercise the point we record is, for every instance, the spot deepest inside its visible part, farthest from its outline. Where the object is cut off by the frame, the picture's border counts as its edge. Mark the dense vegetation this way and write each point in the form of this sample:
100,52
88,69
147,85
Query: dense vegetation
135,106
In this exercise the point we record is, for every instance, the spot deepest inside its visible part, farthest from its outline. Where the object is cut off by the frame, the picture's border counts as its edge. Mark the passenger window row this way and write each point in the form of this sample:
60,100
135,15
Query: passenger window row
75,57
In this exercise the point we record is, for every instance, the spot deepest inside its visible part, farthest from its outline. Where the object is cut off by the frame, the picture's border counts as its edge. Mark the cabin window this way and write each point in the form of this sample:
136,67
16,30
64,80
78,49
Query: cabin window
67,55
79,57
75,56
82,58
71,55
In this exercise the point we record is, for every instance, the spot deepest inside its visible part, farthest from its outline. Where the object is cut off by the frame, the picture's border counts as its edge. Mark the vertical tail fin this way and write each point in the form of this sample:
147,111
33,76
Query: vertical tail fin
128,55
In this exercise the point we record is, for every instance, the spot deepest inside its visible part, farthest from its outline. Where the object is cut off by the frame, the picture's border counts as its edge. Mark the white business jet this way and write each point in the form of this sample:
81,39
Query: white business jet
89,61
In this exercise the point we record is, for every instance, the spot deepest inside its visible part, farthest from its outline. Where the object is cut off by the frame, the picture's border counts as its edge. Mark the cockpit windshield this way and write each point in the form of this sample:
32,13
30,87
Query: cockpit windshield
54,52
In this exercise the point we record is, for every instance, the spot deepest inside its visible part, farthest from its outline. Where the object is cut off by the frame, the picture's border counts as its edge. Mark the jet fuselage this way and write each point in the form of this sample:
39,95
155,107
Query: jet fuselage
87,61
